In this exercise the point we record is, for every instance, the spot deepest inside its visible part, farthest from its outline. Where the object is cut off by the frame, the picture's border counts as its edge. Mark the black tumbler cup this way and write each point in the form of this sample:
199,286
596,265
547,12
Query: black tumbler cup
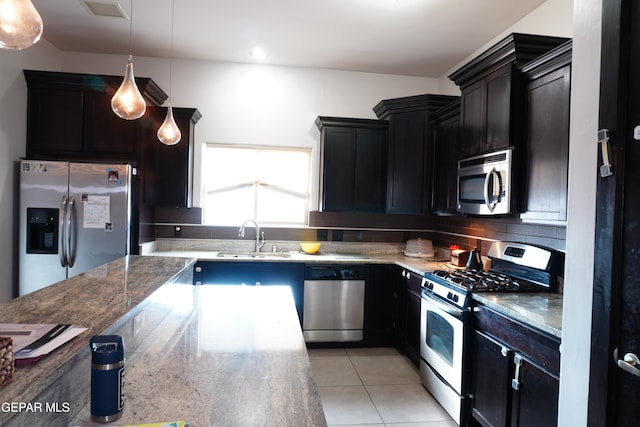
107,377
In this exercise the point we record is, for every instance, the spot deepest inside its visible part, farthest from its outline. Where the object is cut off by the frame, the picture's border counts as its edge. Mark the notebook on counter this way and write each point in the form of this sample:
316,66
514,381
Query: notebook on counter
32,342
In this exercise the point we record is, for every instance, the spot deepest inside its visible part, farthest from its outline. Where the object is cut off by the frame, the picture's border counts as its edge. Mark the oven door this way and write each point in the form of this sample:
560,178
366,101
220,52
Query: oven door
441,340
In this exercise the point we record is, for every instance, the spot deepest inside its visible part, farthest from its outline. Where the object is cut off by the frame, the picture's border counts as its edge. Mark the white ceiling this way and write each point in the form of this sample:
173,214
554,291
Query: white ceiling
405,37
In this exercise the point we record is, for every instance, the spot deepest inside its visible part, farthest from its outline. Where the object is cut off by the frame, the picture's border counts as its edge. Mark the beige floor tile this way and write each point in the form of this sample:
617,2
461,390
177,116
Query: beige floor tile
315,353
332,371
372,352
386,370
406,403
348,405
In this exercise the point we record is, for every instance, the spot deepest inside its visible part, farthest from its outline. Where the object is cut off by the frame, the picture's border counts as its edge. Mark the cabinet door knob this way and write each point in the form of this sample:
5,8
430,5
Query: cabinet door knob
198,269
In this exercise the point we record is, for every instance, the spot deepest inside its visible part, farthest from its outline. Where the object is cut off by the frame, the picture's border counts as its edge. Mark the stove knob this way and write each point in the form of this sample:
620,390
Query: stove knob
449,295
455,298
430,285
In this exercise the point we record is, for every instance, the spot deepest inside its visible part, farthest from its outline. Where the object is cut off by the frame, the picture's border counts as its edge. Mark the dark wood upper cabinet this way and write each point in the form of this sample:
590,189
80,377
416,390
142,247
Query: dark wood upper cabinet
168,169
446,139
54,121
493,93
104,132
548,88
409,169
353,155
69,117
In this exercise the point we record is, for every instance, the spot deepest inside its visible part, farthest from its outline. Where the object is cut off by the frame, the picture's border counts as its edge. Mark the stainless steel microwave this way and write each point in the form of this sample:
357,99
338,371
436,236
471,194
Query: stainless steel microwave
485,183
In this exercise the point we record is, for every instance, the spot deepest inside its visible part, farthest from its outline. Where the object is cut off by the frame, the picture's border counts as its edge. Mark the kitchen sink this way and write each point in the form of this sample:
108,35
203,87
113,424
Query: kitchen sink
347,256
249,255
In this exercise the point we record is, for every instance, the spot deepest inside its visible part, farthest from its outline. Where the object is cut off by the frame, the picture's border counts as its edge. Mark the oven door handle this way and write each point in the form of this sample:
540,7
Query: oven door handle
455,312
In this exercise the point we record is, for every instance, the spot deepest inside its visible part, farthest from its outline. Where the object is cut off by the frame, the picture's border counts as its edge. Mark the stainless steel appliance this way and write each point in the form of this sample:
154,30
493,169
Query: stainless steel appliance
333,304
72,217
485,184
445,313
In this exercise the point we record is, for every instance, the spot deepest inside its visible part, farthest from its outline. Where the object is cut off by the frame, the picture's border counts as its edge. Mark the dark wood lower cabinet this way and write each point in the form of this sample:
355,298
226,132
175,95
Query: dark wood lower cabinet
406,323
378,313
515,374
536,402
492,370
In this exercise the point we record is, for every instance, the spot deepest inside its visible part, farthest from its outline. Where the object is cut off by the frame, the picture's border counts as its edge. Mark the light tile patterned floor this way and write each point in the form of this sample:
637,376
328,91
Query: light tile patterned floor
373,387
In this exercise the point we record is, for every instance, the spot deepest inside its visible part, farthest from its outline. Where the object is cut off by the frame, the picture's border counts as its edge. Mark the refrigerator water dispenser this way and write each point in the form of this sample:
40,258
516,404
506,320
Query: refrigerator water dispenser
42,231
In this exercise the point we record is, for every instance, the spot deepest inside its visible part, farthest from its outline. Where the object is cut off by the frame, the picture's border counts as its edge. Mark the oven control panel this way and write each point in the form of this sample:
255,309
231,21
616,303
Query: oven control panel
452,296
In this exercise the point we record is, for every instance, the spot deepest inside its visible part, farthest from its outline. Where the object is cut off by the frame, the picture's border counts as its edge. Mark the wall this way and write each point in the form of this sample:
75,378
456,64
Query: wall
13,134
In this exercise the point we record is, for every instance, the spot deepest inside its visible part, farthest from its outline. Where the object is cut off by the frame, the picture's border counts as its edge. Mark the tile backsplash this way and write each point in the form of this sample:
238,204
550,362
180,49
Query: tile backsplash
466,231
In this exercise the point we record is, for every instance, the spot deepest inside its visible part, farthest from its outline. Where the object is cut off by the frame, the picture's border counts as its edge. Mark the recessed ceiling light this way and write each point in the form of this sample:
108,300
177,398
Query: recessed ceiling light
258,53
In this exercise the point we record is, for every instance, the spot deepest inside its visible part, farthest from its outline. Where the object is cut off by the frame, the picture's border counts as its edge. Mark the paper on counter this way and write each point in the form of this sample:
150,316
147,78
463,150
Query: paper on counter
32,341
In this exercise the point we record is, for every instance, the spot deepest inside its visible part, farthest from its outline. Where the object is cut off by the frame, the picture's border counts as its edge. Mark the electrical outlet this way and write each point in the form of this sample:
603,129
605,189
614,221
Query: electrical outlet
138,323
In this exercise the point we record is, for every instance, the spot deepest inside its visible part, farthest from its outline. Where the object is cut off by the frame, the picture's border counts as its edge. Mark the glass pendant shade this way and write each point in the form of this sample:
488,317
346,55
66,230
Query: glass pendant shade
20,24
169,133
127,102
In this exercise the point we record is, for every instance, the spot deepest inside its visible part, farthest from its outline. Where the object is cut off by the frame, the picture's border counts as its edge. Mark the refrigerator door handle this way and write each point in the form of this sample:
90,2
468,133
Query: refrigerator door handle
62,231
71,233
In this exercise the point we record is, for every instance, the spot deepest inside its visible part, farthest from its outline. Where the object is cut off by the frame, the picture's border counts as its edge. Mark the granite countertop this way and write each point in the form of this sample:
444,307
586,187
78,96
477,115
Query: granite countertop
100,299
539,310
151,303
104,300
225,355
542,311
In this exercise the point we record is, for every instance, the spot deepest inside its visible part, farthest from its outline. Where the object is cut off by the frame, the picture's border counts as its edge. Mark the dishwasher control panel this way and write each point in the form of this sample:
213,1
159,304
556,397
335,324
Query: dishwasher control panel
334,272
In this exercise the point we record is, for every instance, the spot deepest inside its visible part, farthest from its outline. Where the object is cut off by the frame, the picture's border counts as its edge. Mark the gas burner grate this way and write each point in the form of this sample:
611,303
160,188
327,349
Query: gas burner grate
483,281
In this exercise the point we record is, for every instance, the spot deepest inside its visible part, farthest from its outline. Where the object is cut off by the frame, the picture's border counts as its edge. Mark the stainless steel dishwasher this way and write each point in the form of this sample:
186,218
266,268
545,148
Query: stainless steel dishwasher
333,308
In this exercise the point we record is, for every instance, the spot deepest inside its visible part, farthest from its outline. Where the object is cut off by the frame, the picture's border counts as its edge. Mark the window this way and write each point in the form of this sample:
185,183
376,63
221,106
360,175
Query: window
269,184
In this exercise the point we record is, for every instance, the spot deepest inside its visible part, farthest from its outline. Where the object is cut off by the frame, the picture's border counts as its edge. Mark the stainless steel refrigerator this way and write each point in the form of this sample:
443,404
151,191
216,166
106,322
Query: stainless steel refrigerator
73,217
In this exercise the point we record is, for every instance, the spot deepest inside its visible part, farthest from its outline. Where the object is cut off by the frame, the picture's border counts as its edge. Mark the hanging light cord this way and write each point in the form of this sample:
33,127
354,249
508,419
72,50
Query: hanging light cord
131,31
173,14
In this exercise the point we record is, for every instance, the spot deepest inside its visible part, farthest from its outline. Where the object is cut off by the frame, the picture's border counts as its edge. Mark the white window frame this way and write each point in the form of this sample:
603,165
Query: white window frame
306,195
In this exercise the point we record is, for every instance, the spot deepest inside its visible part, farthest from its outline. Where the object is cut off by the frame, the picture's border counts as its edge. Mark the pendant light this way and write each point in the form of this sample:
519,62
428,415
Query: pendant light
20,24
127,102
169,133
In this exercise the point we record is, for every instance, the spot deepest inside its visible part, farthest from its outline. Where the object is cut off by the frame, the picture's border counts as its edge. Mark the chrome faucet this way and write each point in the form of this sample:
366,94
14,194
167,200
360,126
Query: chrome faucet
259,236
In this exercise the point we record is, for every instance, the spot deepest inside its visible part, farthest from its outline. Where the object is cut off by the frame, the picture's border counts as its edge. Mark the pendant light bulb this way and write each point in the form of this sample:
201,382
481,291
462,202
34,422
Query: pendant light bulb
20,24
127,102
169,133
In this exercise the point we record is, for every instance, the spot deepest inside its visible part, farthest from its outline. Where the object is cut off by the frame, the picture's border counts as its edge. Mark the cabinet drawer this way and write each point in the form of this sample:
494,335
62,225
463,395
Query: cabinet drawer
535,345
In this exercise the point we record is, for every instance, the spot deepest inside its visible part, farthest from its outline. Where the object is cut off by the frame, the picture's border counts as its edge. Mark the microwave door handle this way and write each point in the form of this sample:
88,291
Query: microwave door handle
489,195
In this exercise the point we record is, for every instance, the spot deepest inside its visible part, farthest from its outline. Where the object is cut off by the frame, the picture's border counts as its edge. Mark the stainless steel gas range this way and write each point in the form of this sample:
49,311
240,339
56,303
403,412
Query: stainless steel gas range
446,313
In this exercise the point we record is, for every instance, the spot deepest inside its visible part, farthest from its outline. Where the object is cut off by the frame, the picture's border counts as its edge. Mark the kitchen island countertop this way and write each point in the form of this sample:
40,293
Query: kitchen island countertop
224,355
150,302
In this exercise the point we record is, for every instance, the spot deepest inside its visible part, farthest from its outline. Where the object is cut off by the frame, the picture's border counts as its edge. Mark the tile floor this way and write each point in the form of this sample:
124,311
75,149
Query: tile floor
373,387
